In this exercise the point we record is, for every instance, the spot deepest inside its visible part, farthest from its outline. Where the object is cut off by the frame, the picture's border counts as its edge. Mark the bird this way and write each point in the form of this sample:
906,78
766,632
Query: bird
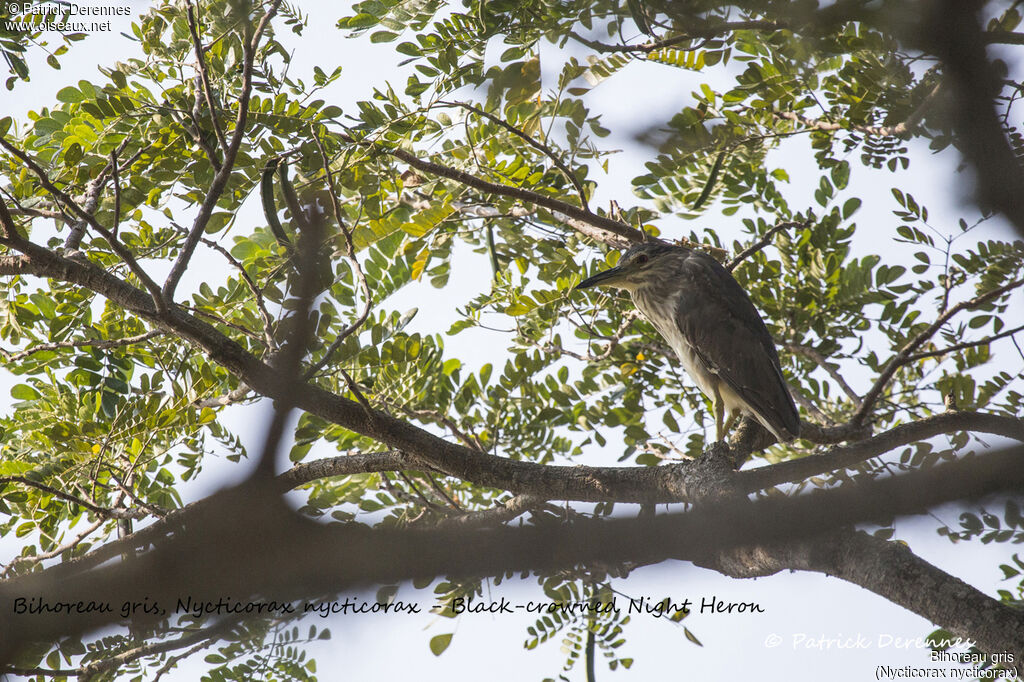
713,327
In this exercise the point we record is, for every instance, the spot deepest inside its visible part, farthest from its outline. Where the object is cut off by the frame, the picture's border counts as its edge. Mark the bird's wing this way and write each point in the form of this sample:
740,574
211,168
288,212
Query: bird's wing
718,319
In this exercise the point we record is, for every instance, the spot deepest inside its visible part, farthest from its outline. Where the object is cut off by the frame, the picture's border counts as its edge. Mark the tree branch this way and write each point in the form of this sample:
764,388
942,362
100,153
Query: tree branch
204,77
115,244
760,244
905,127
516,506
903,356
102,512
224,552
831,370
851,455
257,295
201,635
1002,37
704,32
965,345
345,465
357,269
220,180
93,189
56,551
950,30
540,146
597,227
892,571
85,343
672,483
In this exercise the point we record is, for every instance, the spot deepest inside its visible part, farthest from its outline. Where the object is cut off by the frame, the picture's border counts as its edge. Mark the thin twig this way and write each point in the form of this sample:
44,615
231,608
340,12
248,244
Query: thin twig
117,193
204,77
516,506
85,343
441,491
119,248
964,345
905,127
151,508
540,146
268,321
595,226
229,398
832,371
56,551
760,243
706,32
350,253
220,180
102,512
903,356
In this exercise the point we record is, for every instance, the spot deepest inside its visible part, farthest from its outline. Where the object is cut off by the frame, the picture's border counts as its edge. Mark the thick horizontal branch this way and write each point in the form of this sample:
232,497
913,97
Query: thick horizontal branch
568,483
676,482
851,455
345,465
215,550
670,483
890,570
1002,37
14,265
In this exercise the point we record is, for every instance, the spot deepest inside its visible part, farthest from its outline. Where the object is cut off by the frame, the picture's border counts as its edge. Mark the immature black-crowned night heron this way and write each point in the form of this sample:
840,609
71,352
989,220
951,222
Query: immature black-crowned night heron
710,322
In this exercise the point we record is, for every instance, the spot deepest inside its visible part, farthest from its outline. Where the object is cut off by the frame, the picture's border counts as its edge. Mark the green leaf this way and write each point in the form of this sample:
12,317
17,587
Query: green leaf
70,94
709,186
439,643
850,207
362,20
24,392
73,154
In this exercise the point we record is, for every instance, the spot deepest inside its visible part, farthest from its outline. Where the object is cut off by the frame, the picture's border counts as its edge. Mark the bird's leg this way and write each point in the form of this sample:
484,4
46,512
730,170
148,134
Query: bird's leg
729,422
719,417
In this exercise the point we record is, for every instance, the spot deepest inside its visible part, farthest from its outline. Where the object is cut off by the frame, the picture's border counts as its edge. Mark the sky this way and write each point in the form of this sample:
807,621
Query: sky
812,626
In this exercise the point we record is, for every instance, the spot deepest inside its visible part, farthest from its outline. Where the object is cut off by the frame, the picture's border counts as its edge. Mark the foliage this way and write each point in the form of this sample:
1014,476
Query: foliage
109,419
22,32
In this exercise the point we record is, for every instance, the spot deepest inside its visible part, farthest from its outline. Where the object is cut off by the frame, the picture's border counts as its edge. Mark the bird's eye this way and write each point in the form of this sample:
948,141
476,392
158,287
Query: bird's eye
641,259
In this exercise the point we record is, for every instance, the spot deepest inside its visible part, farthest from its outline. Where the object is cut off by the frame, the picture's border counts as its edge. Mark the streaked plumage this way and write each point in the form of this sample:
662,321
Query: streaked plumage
711,323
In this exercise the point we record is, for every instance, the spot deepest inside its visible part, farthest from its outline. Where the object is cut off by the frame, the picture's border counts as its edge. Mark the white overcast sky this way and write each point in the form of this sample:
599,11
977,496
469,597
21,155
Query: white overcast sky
801,609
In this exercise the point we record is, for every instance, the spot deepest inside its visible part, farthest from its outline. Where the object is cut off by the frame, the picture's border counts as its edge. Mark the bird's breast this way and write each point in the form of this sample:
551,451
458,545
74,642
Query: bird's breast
661,312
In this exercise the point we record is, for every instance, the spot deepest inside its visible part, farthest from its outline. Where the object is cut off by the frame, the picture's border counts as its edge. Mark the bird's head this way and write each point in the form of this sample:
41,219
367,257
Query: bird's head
641,265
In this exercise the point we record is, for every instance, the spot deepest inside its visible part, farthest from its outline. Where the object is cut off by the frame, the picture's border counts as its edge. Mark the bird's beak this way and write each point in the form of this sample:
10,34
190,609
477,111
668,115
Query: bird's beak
608,276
